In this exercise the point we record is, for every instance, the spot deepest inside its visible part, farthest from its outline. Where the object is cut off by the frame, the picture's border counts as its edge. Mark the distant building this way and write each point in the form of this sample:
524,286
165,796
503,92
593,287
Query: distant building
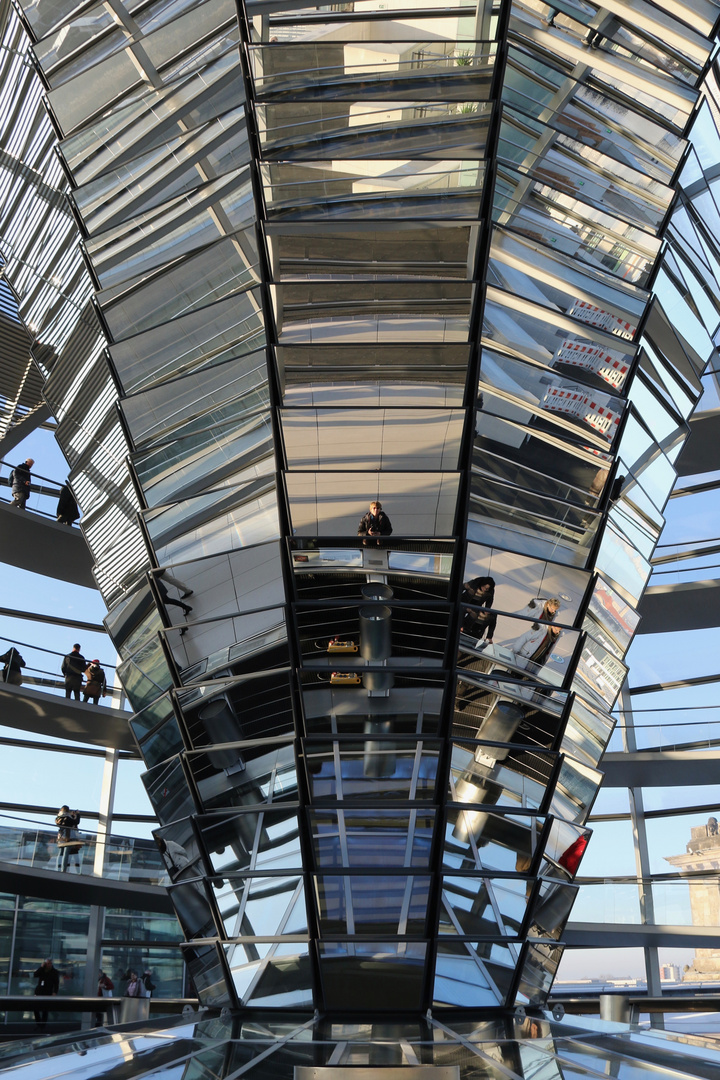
703,854
671,973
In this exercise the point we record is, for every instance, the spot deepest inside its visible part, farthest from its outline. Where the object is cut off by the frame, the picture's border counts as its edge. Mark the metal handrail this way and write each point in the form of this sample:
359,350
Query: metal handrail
78,1003
694,1000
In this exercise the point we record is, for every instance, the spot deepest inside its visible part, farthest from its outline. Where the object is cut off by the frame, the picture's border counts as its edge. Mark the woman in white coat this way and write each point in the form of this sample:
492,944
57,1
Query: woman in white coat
533,647
542,609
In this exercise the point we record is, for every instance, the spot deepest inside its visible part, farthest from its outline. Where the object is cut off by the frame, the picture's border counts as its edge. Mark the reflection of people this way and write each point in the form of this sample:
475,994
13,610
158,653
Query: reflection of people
148,984
542,609
48,984
161,576
12,661
167,577
375,522
20,478
531,1028
95,683
479,590
68,842
534,645
67,509
73,668
105,988
134,987
174,856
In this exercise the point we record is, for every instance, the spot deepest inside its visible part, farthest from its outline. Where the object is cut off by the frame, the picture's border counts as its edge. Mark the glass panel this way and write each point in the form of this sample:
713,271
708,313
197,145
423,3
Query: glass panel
372,904
265,840
254,906
491,841
483,907
271,973
379,768
372,839
389,974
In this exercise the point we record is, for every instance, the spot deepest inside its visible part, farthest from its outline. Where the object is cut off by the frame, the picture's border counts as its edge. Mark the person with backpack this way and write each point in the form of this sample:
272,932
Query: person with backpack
68,839
20,479
13,662
95,683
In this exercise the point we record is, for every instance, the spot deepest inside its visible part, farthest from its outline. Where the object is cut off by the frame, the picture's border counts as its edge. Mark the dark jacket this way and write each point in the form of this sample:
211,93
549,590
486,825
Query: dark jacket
20,478
479,623
12,660
67,828
48,980
96,683
73,666
379,523
483,622
67,508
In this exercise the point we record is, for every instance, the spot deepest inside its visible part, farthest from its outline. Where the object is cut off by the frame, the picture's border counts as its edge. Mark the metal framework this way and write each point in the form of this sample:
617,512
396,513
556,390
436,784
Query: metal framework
433,256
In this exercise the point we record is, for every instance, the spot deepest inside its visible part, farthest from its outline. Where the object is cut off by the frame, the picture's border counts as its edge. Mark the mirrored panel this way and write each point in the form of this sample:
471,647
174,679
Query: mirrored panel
271,973
230,646
368,904
264,840
540,650
380,767
368,439
168,791
375,839
472,973
254,906
531,397
474,906
244,776
333,504
492,841
497,775
390,974
485,711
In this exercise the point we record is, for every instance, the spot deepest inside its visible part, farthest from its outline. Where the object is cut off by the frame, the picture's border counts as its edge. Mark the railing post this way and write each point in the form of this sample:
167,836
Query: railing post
96,923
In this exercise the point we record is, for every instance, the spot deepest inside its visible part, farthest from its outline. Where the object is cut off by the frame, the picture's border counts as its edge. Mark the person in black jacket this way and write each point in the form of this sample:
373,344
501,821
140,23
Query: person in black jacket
13,662
48,984
73,668
374,523
68,840
481,592
20,479
67,509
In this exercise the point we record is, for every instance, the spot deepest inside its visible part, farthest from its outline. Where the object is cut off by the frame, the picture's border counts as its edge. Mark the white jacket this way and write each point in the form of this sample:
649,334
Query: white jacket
534,609
528,643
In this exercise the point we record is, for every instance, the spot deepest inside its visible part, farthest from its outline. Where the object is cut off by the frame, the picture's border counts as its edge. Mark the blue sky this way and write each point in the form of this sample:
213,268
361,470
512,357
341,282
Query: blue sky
33,776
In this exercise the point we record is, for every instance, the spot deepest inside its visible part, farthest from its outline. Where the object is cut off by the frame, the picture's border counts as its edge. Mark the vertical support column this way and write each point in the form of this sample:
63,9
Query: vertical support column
107,800
642,858
97,914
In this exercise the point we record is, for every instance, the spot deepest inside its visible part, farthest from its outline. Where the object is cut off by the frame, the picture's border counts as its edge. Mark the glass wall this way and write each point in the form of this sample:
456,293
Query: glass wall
405,318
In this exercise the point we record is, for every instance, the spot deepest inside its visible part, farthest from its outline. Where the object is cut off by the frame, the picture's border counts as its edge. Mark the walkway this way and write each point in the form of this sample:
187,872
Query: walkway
84,889
49,714
33,542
